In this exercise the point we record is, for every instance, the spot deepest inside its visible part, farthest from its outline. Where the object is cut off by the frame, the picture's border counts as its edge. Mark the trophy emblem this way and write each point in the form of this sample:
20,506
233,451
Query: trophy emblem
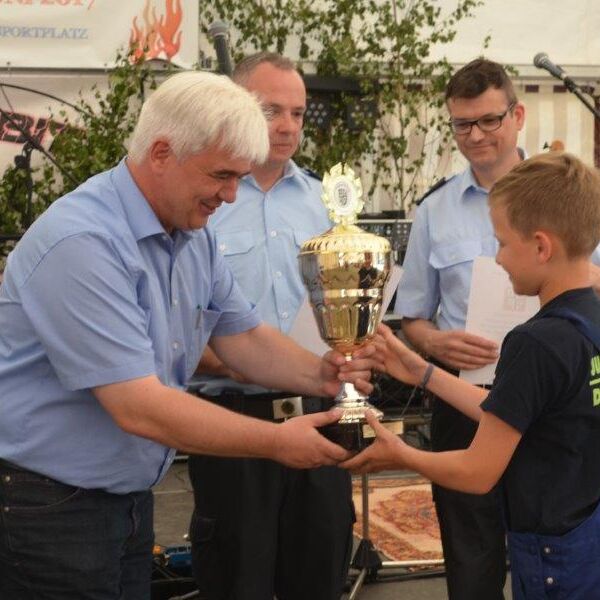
345,270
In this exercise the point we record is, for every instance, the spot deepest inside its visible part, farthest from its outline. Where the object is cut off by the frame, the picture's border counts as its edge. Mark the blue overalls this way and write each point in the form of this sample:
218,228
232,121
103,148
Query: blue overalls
548,567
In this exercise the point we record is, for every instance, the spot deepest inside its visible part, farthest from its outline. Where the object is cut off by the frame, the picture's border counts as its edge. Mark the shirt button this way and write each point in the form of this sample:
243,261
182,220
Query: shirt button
273,233
284,315
549,580
547,550
222,247
175,345
175,302
278,273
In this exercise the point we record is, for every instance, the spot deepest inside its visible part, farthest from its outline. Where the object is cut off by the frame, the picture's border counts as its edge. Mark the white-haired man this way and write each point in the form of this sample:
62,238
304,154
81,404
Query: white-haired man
106,306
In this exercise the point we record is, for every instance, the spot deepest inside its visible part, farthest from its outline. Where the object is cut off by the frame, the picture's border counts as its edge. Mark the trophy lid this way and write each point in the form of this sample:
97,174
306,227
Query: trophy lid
346,238
342,192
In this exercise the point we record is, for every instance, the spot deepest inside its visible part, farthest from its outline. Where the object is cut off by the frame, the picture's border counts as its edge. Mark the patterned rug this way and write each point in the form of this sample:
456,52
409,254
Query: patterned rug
402,520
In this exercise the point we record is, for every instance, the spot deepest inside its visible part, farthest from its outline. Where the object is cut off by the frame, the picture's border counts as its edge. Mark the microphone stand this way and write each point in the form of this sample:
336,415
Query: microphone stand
575,89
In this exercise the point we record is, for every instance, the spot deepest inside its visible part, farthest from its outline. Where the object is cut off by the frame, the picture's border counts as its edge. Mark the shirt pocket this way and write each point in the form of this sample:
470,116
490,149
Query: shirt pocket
448,256
237,242
240,251
206,321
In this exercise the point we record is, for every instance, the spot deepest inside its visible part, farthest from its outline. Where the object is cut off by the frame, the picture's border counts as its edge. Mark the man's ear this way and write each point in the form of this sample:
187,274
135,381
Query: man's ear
160,153
545,246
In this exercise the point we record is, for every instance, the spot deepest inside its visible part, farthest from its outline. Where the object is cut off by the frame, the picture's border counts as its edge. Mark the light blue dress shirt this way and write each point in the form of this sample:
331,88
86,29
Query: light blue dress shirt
452,227
95,293
260,235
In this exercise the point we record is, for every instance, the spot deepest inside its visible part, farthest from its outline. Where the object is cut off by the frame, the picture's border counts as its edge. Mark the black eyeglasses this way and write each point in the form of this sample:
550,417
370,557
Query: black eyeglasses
485,123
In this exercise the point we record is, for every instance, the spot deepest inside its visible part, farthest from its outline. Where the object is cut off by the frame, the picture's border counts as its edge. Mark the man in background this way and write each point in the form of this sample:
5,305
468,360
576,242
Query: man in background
452,227
260,529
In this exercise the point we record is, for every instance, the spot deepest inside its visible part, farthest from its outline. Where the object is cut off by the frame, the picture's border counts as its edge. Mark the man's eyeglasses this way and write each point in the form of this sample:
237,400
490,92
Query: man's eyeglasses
486,123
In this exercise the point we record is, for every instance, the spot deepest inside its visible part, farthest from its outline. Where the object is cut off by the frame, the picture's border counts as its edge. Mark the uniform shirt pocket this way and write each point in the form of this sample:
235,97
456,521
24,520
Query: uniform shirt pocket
447,256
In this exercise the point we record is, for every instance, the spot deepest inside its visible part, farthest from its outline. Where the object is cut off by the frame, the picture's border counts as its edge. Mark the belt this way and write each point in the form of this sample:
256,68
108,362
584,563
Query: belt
269,406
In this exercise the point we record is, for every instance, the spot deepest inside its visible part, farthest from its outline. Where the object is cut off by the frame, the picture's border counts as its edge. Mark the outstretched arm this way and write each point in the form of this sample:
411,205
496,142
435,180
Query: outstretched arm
147,408
475,470
408,366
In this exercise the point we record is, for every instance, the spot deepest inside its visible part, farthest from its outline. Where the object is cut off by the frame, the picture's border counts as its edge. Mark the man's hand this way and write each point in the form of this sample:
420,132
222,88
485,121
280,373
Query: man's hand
299,445
383,454
459,349
335,368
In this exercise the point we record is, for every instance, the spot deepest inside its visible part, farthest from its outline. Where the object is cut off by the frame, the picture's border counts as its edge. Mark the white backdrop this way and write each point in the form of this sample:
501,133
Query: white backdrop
519,29
87,33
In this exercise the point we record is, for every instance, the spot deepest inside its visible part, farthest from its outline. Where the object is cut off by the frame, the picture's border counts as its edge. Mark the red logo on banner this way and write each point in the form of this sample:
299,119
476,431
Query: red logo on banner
155,36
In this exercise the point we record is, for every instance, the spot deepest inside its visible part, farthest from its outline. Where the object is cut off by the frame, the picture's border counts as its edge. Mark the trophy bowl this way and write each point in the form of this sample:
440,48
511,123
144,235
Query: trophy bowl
345,271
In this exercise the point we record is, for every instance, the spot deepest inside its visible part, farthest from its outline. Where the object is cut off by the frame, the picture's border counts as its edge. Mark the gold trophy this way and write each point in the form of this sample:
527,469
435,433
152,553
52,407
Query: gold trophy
345,270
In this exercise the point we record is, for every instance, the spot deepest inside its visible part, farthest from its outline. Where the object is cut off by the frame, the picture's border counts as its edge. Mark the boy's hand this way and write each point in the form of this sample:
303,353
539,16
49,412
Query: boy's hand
335,368
383,454
398,361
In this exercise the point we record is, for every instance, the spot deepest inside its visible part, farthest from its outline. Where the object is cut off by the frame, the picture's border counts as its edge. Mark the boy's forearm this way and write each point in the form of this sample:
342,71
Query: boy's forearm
452,469
460,394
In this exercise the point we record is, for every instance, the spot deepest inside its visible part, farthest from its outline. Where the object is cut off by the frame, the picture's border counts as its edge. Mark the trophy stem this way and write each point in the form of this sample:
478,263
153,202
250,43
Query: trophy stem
353,403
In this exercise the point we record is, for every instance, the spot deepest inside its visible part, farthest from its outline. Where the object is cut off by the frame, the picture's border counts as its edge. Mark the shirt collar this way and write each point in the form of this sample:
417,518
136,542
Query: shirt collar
469,182
140,216
291,169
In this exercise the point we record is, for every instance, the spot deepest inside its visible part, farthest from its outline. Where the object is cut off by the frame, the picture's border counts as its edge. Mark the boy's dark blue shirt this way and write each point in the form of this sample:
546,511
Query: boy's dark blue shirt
547,386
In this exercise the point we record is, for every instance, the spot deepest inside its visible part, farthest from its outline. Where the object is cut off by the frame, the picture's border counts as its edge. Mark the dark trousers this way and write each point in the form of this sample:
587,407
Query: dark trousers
260,529
59,542
471,525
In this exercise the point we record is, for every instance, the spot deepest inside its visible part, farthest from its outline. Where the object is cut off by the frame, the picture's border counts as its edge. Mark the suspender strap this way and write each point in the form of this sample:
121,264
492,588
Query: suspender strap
583,325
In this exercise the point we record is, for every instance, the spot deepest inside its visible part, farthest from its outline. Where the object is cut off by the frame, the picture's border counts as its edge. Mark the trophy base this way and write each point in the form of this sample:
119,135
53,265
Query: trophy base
356,436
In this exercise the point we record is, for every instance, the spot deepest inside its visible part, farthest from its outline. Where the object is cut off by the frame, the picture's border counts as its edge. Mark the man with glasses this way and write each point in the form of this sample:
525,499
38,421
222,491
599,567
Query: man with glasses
452,227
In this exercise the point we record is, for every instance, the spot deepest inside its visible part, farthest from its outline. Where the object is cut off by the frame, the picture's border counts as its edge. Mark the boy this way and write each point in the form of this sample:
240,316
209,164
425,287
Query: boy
539,426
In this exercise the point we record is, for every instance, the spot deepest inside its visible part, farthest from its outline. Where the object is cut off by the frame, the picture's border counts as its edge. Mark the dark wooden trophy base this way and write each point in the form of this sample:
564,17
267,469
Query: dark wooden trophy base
347,435
355,437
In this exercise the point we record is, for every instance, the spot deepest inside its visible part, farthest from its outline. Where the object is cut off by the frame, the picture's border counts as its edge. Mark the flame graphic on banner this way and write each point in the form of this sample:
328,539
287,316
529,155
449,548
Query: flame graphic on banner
153,36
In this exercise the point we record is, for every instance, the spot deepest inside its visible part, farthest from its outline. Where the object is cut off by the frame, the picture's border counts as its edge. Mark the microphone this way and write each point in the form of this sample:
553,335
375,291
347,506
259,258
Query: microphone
542,61
217,32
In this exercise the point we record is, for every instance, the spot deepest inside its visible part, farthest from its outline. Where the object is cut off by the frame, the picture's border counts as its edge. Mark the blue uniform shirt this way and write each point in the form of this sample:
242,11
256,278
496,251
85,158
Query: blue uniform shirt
97,292
260,235
452,227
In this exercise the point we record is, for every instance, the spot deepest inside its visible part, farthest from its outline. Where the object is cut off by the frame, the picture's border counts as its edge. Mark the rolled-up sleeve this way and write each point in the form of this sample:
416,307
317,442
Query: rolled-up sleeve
87,319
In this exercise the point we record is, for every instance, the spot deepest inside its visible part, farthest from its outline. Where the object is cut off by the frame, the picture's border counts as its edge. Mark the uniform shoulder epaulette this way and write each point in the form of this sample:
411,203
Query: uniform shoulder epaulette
436,186
312,174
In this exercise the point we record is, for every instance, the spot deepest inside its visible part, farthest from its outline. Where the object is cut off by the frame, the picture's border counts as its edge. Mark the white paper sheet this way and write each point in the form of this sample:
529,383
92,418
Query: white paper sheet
493,310
305,330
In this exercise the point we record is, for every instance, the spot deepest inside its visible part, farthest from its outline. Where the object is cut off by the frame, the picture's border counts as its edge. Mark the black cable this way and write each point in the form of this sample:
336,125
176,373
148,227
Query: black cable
34,91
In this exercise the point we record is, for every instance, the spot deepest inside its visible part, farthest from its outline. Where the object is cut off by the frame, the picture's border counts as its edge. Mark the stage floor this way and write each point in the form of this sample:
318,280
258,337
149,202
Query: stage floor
173,506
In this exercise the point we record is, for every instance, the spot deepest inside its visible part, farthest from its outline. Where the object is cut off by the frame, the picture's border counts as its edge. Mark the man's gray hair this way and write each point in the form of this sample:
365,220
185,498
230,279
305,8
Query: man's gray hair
244,68
194,110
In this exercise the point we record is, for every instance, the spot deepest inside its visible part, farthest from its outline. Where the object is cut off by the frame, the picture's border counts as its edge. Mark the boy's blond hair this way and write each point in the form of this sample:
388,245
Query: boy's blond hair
555,192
